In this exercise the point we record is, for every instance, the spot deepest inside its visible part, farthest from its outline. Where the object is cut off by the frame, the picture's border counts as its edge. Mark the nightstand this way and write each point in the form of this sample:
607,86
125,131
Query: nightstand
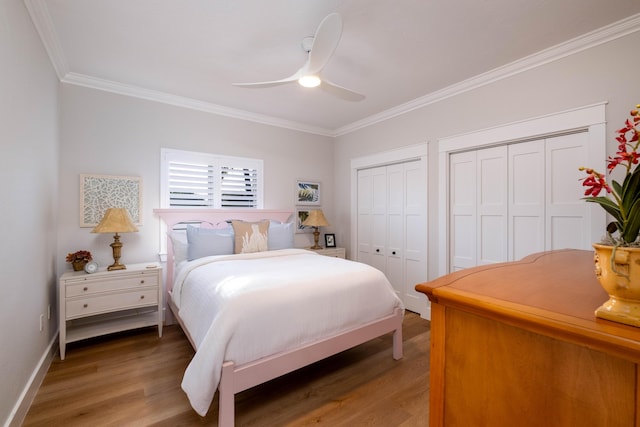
334,252
109,301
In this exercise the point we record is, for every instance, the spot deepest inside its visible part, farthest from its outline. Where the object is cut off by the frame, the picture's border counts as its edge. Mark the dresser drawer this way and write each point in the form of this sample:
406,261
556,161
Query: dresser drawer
80,307
88,287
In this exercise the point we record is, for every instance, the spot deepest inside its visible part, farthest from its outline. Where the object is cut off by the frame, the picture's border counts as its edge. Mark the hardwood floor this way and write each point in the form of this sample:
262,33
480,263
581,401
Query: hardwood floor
133,379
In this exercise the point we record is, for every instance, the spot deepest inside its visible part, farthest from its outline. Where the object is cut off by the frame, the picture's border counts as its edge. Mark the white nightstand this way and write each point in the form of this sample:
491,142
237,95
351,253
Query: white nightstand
109,301
334,252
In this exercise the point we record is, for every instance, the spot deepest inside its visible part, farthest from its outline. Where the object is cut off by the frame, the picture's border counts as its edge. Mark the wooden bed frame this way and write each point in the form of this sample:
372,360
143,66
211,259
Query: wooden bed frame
237,378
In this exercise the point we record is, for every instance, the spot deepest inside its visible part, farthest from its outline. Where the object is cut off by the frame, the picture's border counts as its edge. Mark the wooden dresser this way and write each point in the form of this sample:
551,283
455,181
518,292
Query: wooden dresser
518,344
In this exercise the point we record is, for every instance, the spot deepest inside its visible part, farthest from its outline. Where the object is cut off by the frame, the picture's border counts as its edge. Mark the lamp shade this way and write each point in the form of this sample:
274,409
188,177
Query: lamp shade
115,220
316,219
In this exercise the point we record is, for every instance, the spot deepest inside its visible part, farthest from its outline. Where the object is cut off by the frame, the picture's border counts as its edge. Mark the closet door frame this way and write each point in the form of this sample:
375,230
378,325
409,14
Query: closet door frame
590,119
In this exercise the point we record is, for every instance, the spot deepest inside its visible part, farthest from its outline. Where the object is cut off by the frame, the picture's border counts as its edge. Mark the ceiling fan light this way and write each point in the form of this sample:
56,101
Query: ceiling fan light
310,80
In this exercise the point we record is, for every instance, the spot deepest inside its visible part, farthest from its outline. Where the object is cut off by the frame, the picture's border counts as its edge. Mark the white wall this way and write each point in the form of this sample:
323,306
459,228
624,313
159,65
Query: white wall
29,180
105,133
604,73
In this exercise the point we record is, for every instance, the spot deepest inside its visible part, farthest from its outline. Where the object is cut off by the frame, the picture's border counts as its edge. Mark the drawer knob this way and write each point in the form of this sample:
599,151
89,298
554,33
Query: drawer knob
141,281
85,289
86,305
141,296
377,250
393,253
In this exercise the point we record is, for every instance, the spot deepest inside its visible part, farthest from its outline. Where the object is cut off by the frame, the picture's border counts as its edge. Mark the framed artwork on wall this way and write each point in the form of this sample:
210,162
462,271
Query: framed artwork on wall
308,193
301,216
100,192
330,240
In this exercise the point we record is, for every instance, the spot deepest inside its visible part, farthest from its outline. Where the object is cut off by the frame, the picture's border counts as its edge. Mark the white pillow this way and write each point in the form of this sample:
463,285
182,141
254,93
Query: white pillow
280,235
209,241
179,244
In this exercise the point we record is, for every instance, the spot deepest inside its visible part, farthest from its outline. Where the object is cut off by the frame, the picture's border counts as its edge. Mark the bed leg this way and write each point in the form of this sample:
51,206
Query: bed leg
397,340
226,396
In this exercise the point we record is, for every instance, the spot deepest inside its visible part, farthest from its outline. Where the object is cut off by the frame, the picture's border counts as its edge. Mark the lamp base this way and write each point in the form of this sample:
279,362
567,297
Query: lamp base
117,251
117,266
316,237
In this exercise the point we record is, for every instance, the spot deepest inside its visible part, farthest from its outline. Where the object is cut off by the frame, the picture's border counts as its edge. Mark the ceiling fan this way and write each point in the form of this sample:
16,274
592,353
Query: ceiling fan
320,49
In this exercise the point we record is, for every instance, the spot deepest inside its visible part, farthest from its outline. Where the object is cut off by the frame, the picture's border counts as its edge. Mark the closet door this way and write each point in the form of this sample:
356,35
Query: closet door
392,227
395,229
462,210
491,208
526,229
372,213
415,234
567,215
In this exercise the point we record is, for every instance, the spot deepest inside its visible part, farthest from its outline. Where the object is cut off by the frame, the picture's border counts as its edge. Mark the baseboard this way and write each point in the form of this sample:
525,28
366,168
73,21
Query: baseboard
19,412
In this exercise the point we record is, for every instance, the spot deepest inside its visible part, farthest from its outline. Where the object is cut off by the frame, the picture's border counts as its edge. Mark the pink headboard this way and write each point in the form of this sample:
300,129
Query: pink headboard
171,217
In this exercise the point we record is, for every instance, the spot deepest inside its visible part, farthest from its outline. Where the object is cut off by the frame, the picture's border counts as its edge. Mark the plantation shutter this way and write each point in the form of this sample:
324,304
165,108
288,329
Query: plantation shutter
193,180
238,187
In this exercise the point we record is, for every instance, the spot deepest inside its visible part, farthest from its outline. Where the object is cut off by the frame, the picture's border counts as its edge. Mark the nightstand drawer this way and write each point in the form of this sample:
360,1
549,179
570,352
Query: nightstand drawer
81,307
88,287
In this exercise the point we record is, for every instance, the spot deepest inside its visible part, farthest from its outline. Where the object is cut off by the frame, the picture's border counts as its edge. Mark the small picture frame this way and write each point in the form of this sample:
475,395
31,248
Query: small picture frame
330,240
307,193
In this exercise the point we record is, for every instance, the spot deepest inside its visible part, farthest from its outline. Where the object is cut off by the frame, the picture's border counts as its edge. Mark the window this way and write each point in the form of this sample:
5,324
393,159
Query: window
202,180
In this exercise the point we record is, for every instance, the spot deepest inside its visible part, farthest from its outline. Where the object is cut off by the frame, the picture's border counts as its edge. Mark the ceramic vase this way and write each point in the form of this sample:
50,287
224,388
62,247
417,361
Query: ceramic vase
618,271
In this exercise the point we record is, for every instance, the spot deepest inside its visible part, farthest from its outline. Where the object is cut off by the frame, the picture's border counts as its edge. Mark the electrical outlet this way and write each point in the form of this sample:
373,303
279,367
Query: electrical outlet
49,312
41,322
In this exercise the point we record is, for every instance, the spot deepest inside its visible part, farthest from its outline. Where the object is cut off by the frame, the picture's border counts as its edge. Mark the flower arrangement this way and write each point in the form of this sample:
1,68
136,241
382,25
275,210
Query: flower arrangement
624,203
80,256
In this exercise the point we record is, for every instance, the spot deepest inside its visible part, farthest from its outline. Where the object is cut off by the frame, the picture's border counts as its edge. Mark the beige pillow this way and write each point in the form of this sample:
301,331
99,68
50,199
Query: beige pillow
251,236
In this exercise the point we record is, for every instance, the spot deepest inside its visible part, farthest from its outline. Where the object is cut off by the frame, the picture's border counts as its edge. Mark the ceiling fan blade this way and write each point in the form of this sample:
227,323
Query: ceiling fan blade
324,42
341,92
272,83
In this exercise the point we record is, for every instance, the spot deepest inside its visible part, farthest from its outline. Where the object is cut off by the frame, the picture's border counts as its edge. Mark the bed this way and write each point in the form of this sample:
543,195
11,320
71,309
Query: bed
252,317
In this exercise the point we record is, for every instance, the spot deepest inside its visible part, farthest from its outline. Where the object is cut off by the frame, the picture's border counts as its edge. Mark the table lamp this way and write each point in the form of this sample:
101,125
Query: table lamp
116,220
316,220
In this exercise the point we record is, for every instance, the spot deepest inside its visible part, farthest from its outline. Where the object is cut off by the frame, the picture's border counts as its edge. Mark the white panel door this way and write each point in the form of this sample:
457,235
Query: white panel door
463,210
567,215
415,246
491,205
395,227
392,226
526,199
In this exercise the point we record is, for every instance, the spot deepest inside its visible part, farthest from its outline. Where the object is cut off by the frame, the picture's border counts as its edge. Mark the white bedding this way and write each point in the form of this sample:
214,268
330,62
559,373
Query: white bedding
244,307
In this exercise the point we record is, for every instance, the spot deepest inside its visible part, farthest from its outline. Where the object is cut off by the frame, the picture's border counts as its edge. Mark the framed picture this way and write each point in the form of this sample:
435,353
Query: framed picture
308,193
330,240
100,192
301,216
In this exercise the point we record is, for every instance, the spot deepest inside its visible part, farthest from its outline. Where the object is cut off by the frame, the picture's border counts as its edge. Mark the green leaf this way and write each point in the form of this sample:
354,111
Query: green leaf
608,205
632,226
616,186
630,190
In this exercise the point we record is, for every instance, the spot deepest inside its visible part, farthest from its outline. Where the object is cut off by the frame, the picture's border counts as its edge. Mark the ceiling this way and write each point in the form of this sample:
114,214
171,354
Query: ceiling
400,54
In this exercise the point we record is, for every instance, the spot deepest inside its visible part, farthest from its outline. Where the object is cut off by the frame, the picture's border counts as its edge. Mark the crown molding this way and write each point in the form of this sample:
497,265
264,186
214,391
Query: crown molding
595,38
190,103
44,25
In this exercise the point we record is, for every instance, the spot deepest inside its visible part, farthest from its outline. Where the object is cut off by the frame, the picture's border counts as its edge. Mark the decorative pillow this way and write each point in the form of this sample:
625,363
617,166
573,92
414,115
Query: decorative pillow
180,245
280,235
209,241
251,236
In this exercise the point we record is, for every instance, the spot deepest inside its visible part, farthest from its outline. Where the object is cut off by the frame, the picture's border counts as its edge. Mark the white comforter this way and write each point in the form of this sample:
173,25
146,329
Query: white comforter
243,307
